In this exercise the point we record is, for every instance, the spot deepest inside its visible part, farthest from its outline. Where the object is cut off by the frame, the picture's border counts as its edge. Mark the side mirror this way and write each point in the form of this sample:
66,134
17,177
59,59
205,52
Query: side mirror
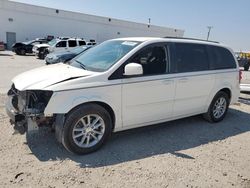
133,69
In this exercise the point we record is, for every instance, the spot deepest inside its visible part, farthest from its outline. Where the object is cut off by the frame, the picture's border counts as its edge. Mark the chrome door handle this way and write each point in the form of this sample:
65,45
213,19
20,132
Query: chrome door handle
167,82
183,80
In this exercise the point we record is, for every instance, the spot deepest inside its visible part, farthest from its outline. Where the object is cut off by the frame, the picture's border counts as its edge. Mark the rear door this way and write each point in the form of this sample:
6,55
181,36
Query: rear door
194,80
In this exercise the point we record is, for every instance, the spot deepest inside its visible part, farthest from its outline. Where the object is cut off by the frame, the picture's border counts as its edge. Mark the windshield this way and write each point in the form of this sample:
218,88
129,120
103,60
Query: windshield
52,42
100,58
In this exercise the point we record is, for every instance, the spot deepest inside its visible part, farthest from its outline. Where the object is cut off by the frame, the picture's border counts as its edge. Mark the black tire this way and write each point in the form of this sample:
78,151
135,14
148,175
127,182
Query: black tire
209,116
22,52
45,53
40,56
42,53
72,120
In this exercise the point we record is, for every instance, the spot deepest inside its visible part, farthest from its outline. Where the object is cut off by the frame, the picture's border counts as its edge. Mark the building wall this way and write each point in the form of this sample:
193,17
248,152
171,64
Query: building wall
29,22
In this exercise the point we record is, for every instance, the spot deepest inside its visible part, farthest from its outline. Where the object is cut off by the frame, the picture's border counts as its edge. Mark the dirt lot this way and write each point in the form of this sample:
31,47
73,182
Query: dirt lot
184,153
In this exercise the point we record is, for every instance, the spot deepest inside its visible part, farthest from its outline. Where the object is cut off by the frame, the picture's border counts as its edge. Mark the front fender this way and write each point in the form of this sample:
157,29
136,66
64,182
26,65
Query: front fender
62,104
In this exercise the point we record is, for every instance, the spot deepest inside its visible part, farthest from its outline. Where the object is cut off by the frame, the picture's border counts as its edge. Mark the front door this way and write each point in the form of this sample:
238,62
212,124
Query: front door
10,39
61,46
148,98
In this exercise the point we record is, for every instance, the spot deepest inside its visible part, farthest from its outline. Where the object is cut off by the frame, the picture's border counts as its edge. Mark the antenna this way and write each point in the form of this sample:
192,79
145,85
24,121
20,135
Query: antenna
209,30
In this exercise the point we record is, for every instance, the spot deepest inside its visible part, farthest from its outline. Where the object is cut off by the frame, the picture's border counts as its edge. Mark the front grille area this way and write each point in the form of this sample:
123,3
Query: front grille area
30,101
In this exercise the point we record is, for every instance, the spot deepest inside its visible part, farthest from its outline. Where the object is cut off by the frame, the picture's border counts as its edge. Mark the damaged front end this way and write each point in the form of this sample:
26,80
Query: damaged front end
26,109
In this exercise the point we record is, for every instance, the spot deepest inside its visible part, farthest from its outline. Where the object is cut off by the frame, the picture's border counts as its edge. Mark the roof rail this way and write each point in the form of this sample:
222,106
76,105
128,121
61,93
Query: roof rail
192,39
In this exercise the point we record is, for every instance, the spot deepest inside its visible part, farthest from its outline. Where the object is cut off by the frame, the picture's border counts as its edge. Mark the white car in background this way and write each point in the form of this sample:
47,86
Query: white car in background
65,44
57,45
123,84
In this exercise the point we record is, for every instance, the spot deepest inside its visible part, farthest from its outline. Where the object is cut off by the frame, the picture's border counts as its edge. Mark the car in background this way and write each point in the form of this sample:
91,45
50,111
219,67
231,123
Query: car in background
67,44
243,59
91,42
65,56
57,45
21,48
2,47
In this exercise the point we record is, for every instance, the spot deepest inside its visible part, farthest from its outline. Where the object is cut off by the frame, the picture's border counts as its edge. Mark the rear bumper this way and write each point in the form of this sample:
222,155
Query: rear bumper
245,87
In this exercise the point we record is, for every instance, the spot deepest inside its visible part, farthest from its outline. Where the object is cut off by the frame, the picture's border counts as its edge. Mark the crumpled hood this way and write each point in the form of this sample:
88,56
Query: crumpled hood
41,45
43,77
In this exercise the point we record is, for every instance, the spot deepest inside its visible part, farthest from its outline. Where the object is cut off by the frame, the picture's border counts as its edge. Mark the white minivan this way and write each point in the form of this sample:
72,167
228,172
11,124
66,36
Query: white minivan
122,84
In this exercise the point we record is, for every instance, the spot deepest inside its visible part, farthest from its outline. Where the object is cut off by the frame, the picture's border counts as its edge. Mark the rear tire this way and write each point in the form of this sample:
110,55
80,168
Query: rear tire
86,129
218,108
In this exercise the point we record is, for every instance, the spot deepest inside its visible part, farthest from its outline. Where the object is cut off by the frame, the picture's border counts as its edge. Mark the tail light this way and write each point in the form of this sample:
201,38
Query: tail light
240,75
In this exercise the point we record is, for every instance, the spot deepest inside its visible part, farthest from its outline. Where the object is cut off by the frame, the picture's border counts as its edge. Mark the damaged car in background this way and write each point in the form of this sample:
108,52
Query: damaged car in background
122,84
64,56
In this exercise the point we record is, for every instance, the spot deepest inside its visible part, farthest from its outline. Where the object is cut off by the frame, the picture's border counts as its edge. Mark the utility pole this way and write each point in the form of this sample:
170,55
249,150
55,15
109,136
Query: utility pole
209,30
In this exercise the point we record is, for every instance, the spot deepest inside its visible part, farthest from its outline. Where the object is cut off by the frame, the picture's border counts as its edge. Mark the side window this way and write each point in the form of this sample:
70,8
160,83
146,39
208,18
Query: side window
82,43
72,43
153,60
221,58
61,44
190,58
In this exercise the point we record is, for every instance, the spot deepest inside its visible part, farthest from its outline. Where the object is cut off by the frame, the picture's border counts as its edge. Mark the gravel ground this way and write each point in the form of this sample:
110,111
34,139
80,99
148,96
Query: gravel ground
186,153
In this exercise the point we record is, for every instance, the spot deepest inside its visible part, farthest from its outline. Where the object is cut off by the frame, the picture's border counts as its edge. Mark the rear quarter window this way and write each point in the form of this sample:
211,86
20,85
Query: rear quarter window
81,42
221,58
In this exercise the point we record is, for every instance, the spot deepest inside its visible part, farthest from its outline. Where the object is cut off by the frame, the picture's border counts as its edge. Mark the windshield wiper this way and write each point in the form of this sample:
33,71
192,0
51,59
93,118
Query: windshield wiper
83,66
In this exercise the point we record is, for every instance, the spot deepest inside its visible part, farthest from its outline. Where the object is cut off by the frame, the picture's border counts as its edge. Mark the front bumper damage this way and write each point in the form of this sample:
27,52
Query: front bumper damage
25,109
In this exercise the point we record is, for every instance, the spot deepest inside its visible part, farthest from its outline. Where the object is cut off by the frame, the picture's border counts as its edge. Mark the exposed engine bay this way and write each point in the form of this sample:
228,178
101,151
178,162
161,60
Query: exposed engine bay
27,107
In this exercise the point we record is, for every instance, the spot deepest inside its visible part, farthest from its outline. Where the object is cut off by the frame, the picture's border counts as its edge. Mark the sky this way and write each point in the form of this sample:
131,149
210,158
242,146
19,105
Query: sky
230,19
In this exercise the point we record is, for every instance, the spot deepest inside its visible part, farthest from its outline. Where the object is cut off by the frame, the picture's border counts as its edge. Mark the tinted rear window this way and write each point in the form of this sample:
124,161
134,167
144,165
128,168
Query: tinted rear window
221,58
82,43
72,43
190,58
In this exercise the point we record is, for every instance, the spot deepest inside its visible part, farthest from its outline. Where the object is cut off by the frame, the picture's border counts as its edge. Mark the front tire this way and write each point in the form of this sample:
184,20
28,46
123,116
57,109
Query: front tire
218,108
86,129
22,52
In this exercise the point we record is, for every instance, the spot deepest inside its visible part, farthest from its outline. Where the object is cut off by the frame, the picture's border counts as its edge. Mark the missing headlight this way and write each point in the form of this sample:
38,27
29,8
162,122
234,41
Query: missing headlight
36,101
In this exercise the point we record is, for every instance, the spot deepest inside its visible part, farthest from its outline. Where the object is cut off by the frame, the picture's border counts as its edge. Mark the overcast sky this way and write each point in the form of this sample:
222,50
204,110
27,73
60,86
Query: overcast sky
230,18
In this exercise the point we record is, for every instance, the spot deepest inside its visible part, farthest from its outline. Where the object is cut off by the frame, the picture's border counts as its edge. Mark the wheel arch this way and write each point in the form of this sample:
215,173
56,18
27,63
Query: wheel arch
102,104
225,89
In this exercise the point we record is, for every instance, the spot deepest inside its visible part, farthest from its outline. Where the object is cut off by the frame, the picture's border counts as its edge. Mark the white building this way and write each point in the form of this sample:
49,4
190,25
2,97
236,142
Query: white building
22,22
